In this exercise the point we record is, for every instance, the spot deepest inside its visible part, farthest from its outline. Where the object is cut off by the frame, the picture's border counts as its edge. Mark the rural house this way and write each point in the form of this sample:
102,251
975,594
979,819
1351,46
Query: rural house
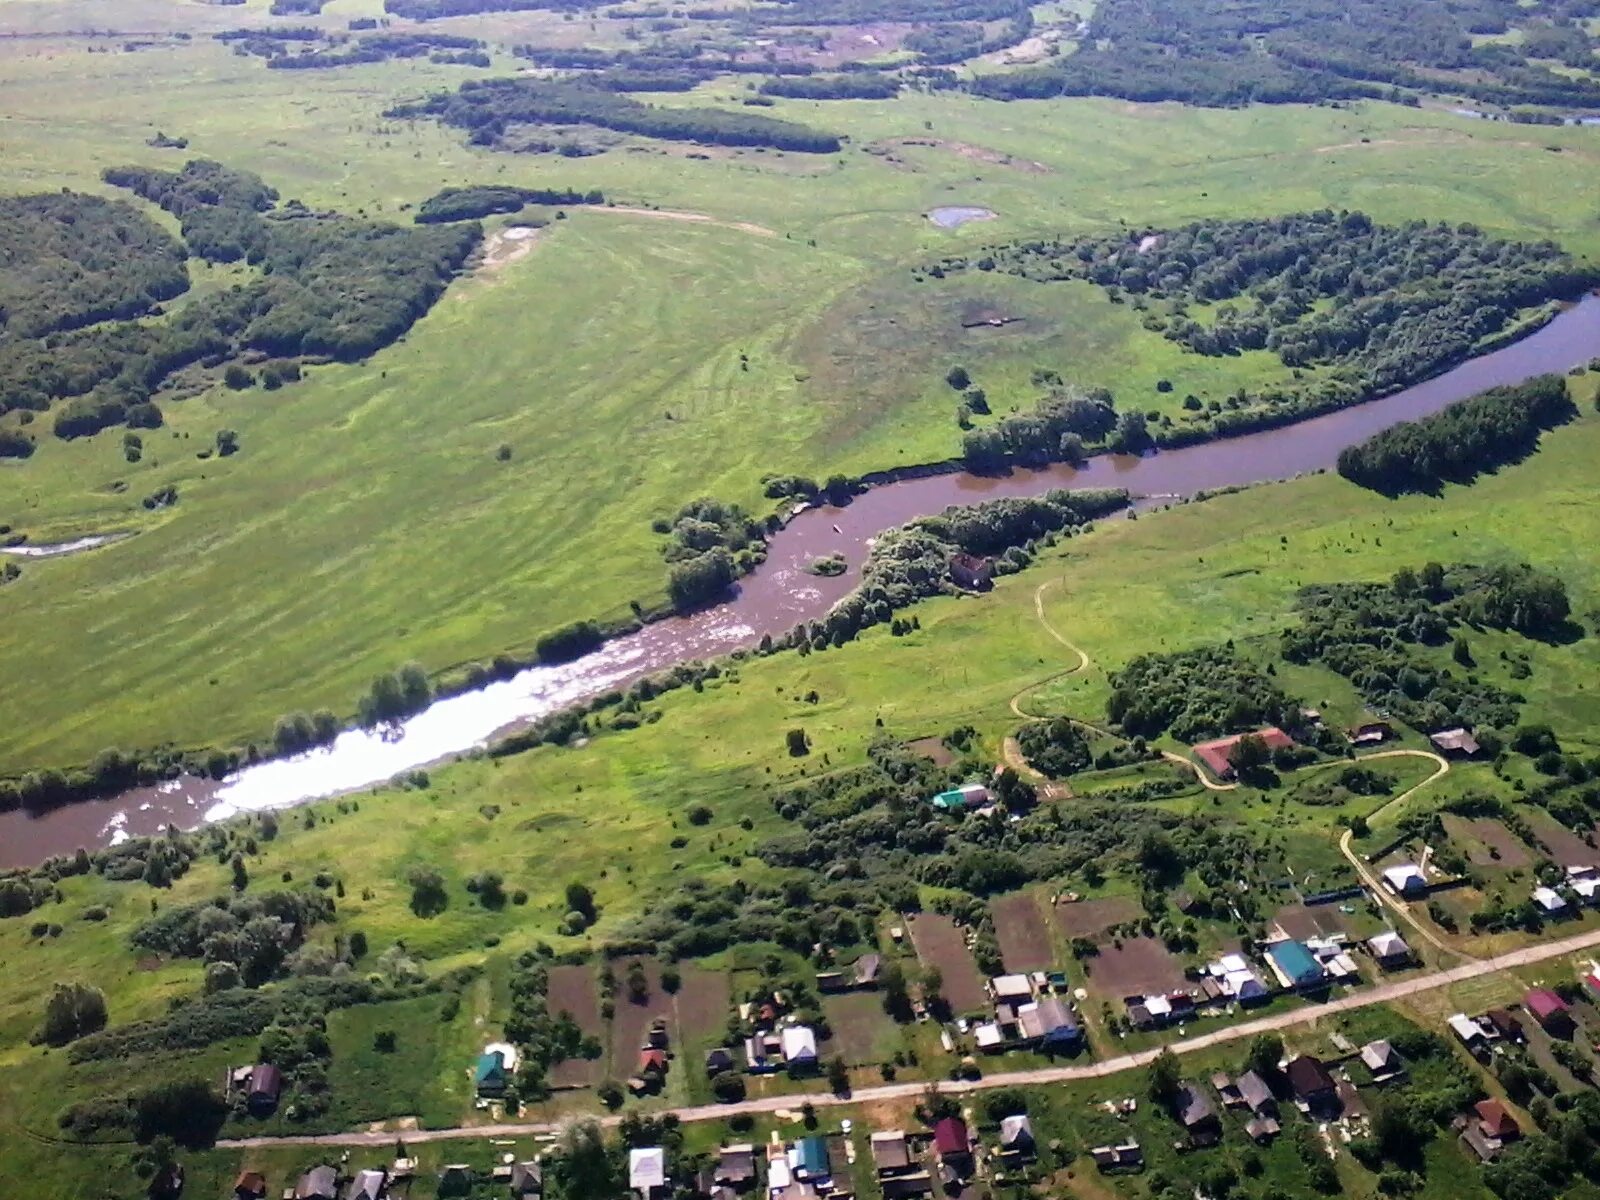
1488,1128
736,1166
1369,733
799,1049
1295,966
261,1093
647,1172
1049,1023
1405,880
953,1145
319,1183
1194,1112
1453,742
971,572
1389,950
1550,1010
367,1185
527,1180
1380,1058
1551,902
251,1185
1110,1158
1503,1024
492,1075
1313,1086
1468,1032
718,1059
1016,1136
1217,755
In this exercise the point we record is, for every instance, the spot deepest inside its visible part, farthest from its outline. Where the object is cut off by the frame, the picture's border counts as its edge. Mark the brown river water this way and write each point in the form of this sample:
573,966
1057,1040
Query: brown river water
772,600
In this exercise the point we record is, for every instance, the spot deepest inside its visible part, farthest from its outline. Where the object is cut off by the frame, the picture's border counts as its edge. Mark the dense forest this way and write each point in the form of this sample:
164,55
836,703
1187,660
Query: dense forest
329,286
1468,438
483,200
1374,307
69,260
1226,52
488,107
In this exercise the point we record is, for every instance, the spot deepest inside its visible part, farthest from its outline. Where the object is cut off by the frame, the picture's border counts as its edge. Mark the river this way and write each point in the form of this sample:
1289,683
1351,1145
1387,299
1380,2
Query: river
773,599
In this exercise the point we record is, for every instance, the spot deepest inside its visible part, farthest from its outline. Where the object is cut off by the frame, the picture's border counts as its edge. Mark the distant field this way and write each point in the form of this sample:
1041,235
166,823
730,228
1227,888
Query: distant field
366,521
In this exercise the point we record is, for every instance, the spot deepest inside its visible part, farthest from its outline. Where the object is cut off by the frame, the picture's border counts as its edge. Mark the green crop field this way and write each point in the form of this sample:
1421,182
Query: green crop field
367,521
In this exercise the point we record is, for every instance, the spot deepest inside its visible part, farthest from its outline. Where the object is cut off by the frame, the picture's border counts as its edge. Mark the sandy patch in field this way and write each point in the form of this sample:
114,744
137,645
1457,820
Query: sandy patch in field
506,246
668,214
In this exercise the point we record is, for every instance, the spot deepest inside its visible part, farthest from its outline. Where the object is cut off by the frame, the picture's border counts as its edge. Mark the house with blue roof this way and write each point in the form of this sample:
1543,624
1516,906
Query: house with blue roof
1295,966
492,1076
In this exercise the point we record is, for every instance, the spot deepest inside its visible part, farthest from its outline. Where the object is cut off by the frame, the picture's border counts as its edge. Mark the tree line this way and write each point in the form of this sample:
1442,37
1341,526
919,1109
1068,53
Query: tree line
487,107
1463,441
483,200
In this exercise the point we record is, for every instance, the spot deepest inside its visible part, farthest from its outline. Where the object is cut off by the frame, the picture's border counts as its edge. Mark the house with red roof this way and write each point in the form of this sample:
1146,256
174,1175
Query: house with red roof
1217,755
1550,1010
951,1141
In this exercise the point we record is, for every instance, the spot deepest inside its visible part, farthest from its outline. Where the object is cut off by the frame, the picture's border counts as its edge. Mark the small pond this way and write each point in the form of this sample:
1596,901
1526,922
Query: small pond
951,216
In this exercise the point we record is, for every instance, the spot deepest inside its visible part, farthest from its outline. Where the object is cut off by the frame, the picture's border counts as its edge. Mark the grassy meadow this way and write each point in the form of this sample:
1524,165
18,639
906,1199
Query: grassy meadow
367,520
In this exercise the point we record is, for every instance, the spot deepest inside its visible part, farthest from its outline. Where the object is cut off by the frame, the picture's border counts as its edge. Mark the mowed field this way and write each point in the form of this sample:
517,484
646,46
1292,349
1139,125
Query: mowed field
367,520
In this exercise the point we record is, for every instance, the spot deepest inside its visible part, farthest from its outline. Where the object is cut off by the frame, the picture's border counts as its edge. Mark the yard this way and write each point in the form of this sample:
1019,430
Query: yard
1023,932
941,943
1134,967
1089,918
862,1032
574,989
1487,842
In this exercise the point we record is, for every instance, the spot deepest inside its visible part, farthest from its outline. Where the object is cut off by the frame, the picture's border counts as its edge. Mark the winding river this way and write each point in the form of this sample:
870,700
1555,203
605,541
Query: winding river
773,599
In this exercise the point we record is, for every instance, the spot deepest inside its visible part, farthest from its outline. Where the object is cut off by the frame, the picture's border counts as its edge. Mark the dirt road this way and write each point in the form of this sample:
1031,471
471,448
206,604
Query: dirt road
1381,994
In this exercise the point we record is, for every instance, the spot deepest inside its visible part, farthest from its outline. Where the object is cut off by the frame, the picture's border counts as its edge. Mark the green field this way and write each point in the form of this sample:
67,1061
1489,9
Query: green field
367,521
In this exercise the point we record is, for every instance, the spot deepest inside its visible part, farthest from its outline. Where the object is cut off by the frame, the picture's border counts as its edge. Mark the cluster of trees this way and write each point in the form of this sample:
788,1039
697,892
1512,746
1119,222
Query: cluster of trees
394,696
329,286
1371,634
432,10
1391,304
1223,52
244,940
957,41
1058,429
487,107
1056,747
1198,694
73,260
1469,437
697,61
709,544
74,1010
483,200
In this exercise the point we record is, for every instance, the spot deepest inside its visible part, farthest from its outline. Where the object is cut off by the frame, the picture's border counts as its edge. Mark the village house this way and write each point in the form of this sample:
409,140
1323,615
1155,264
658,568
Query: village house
1295,966
1016,1137
971,572
1050,1024
1585,883
1257,1097
953,1145
718,1059
799,1049
1233,978
1405,880
367,1185
251,1185
527,1180
456,1179
1382,1061
1194,1112
1454,742
1011,989
736,1167
1227,1091
493,1073
1127,1156
1550,1010
1503,1025
1551,902
1488,1128
261,1084
319,1183
1313,1087
967,796
647,1172
1217,755
1389,950
899,1175
1468,1032
1369,733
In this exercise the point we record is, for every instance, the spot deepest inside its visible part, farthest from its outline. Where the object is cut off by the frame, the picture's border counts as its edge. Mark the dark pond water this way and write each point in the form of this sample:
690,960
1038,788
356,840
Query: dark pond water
773,600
